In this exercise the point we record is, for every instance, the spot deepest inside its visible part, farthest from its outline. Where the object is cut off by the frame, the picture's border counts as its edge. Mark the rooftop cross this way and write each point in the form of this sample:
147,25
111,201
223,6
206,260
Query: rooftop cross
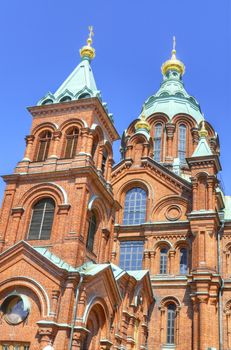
174,43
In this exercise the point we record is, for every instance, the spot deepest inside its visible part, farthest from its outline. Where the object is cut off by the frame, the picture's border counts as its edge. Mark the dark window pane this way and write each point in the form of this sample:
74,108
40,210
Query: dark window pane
183,261
171,323
182,143
157,142
91,231
42,219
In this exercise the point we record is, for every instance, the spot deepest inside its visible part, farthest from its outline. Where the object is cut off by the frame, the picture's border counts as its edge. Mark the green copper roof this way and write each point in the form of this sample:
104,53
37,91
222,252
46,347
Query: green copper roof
172,99
55,259
202,148
79,84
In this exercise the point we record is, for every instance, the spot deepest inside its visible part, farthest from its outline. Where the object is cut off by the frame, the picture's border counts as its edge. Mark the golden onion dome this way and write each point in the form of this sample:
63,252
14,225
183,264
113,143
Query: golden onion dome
88,51
173,63
142,124
203,132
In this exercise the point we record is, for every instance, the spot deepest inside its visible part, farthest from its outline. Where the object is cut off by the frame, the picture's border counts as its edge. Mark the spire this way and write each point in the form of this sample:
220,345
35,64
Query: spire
202,148
173,63
81,82
87,51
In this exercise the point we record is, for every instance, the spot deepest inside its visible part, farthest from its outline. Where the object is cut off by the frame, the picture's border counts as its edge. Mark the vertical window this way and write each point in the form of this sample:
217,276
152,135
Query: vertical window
182,143
171,323
92,228
42,219
44,144
71,143
183,261
163,260
131,255
157,142
135,207
104,161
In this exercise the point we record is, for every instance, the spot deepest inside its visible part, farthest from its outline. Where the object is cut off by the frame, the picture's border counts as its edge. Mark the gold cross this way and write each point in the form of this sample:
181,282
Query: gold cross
91,33
174,43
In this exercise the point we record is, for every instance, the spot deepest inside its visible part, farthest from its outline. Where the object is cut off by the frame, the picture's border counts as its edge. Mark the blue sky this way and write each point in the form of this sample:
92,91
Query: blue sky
40,43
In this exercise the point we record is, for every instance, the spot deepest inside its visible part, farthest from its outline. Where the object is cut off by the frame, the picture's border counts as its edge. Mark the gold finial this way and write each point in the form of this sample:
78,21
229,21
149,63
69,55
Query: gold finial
173,63
142,122
203,131
88,51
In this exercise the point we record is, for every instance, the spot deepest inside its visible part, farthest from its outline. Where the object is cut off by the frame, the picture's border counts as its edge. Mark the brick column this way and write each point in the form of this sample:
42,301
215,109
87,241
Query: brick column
54,145
195,136
46,336
29,147
17,214
162,324
99,158
228,327
195,328
109,169
152,258
89,142
145,149
170,129
54,302
146,261
84,140
129,152
203,319
195,189
171,261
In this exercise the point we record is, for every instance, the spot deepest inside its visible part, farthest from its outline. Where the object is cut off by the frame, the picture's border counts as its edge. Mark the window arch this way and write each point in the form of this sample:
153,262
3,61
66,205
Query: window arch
182,143
92,228
163,260
71,142
171,315
135,207
157,142
183,261
42,219
44,144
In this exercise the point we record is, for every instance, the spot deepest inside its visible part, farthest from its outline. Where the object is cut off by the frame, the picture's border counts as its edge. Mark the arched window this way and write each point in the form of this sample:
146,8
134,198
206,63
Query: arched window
42,219
157,142
182,143
183,261
163,260
44,144
135,207
92,228
71,142
171,323
104,161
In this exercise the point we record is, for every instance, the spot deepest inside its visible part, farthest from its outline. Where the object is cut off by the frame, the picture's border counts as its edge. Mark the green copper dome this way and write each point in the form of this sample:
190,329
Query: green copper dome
172,99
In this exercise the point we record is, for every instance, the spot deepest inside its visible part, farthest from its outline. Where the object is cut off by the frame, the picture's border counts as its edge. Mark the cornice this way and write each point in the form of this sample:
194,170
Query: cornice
77,105
61,174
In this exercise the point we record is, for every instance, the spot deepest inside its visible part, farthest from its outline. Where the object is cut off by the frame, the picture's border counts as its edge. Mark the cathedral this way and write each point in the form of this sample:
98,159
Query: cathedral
129,256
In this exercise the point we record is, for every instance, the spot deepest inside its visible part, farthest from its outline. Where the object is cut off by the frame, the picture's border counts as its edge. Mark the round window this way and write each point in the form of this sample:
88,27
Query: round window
15,309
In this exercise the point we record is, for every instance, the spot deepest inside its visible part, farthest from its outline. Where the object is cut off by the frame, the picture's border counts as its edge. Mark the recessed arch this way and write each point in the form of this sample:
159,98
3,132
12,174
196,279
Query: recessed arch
44,126
44,189
30,284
